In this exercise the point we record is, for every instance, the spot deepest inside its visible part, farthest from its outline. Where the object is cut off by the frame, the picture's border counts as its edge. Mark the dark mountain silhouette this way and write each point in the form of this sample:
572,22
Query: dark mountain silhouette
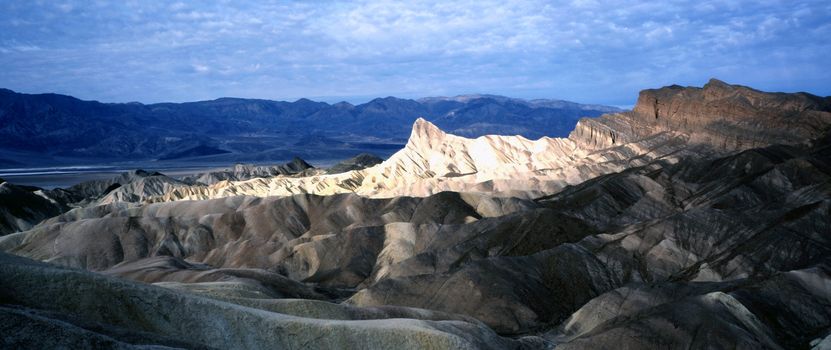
43,129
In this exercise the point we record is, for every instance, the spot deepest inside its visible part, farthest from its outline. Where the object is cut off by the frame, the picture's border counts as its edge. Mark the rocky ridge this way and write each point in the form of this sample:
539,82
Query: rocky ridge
39,314
241,172
671,123
721,116
433,161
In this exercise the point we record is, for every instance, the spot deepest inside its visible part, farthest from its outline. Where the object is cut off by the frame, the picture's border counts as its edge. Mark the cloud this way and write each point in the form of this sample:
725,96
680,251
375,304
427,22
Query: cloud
200,68
585,50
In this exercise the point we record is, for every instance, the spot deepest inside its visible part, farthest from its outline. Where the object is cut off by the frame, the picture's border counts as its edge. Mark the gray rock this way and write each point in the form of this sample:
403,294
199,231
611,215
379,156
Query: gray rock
207,322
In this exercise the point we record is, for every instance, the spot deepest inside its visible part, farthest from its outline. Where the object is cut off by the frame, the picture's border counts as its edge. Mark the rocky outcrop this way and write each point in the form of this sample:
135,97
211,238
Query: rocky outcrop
141,189
730,221
788,310
26,206
721,116
240,282
22,207
131,186
98,188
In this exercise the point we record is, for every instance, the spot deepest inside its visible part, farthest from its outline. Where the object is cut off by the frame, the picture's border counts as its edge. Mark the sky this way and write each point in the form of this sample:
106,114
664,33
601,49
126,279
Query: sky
583,50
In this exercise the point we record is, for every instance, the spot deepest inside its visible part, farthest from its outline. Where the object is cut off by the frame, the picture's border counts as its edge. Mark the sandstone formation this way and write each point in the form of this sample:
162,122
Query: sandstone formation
721,116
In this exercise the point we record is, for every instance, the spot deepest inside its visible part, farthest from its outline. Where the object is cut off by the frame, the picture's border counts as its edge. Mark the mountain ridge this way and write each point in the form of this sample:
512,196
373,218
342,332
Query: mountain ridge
52,128
433,160
722,116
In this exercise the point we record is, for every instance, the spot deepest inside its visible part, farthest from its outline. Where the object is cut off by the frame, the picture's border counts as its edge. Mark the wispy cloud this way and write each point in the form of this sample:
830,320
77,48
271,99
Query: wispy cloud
592,51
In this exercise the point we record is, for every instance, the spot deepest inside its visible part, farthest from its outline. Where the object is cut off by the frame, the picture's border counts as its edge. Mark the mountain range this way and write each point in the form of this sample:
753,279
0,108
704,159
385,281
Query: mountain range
433,161
698,220
49,129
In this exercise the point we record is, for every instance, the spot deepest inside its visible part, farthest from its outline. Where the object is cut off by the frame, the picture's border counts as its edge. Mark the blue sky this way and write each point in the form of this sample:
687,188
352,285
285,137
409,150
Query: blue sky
585,51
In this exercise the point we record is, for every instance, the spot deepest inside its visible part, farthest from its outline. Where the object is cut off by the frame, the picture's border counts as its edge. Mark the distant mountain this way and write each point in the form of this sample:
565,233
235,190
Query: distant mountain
45,129
556,104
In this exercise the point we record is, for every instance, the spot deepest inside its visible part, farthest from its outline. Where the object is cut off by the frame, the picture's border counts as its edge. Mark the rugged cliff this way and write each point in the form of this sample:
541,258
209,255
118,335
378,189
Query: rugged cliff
719,115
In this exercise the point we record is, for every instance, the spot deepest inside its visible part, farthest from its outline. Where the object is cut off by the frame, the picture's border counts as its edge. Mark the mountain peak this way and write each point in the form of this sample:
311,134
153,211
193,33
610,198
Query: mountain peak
305,101
425,130
715,89
716,82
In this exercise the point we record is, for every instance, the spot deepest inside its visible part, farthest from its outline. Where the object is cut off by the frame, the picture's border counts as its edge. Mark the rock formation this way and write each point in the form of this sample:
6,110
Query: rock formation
650,234
92,311
22,207
701,122
241,172
721,116
433,161
718,220
359,162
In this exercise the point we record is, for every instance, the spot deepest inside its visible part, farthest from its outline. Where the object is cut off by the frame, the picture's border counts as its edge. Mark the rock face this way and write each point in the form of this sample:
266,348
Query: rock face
98,188
696,315
22,207
132,186
722,116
